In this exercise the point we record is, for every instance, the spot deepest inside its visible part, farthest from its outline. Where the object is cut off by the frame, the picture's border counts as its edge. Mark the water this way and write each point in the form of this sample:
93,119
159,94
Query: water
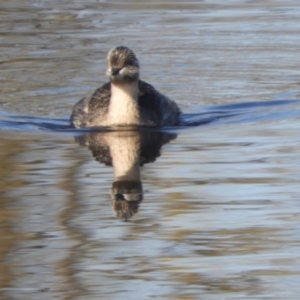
217,211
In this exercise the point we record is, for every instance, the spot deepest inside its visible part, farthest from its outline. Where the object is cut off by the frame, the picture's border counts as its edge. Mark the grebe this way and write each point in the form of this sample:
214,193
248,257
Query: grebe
125,100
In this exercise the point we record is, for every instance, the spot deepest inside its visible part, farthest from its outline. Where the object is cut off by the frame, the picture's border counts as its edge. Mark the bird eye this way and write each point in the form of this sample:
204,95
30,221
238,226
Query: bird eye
115,71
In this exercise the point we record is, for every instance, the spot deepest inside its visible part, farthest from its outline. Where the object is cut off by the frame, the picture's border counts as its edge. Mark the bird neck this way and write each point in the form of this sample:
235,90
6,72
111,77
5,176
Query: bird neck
123,107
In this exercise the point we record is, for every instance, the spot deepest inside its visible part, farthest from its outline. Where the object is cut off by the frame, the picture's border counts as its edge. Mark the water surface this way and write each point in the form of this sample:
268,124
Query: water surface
217,210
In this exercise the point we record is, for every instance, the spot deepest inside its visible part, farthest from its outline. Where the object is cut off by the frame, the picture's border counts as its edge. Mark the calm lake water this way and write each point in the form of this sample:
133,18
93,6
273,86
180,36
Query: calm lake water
216,212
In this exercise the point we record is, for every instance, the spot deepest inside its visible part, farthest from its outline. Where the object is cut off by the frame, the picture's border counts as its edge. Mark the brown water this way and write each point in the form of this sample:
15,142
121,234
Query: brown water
220,212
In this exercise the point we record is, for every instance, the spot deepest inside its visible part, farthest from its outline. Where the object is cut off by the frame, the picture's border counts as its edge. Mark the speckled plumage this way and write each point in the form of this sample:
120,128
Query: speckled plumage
125,99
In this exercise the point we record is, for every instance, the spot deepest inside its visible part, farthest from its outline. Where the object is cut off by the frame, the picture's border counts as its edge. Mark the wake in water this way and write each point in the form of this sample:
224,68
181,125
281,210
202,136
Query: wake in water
31,123
195,116
243,112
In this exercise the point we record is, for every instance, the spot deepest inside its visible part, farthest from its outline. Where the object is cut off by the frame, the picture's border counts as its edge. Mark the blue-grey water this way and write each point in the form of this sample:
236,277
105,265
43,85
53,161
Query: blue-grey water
216,212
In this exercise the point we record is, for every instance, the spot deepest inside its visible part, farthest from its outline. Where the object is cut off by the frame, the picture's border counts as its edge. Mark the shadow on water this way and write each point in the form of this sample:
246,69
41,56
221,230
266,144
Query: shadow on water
195,116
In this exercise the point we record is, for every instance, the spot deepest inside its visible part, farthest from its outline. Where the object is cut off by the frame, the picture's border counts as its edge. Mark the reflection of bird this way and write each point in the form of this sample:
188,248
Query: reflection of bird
125,210
147,144
125,100
126,151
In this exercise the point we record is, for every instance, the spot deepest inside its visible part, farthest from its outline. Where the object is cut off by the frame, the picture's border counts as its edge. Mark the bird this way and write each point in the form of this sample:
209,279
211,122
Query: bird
125,100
